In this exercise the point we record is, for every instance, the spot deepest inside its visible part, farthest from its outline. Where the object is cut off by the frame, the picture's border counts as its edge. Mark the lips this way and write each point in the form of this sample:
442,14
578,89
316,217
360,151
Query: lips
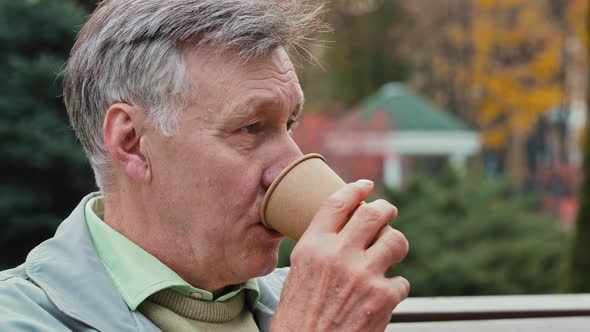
270,231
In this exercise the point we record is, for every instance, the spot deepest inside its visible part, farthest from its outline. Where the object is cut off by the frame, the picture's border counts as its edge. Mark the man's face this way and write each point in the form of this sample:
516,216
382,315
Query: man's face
210,179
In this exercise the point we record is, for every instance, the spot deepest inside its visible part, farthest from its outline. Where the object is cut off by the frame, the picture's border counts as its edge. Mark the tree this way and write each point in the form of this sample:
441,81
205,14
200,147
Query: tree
438,43
43,170
497,64
579,262
517,73
472,238
360,56
579,265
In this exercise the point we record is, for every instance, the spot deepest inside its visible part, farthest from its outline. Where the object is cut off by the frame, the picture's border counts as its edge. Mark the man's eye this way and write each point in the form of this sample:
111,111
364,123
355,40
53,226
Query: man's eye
292,124
251,129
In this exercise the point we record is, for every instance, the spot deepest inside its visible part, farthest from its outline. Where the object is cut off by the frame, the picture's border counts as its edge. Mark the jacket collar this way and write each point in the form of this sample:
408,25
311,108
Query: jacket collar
70,272
68,269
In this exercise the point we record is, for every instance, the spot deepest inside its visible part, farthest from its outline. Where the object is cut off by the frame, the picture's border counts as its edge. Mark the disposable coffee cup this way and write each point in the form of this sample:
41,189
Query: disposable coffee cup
297,193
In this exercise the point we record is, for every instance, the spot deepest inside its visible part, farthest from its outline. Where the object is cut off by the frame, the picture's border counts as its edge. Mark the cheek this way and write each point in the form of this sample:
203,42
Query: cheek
240,184
243,187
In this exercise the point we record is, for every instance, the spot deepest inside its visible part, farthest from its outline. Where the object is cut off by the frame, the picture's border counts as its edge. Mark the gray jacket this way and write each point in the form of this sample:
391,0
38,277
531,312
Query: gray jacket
63,286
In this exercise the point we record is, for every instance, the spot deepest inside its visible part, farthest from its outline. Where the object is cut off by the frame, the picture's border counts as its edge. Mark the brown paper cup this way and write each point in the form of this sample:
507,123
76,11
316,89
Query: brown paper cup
297,193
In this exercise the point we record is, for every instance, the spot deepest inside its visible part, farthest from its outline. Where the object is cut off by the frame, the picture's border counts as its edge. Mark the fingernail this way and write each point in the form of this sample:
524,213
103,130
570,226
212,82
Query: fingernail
365,183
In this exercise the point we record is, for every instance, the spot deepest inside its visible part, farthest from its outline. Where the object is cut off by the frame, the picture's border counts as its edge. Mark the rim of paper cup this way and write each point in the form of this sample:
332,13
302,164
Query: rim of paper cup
279,178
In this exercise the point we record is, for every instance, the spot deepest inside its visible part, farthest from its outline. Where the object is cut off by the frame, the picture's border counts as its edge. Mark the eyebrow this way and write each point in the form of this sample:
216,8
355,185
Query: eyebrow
254,106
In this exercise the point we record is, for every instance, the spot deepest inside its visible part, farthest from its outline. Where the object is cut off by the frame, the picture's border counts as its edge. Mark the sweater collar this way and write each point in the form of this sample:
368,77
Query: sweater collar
192,309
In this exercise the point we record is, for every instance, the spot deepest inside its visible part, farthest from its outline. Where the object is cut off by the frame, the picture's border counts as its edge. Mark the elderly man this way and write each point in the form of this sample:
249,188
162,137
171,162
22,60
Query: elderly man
184,109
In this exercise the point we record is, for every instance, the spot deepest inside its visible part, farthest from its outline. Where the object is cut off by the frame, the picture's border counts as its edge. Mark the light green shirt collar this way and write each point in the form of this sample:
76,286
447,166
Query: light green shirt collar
137,274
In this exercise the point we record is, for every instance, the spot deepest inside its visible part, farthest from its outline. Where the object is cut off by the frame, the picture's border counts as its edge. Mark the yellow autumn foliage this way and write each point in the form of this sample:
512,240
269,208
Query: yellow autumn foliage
456,35
516,65
502,64
576,20
495,137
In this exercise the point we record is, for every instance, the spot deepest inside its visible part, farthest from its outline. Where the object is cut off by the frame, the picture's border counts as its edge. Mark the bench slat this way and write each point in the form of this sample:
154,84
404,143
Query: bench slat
562,324
491,307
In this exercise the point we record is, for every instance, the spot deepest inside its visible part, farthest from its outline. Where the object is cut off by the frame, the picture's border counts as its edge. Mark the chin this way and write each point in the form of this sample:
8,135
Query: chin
260,263
269,268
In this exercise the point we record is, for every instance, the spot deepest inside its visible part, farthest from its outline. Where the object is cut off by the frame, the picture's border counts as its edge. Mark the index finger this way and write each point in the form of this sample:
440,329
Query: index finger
336,210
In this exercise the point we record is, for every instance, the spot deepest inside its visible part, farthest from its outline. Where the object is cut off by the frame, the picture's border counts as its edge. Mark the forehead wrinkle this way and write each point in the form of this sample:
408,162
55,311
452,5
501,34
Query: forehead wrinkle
286,96
285,90
286,76
287,84
258,103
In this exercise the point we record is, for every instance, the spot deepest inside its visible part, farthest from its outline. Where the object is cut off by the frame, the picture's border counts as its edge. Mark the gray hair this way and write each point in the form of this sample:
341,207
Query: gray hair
132,51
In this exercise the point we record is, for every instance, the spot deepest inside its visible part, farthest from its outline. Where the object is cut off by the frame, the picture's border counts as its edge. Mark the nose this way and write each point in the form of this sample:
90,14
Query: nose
287,153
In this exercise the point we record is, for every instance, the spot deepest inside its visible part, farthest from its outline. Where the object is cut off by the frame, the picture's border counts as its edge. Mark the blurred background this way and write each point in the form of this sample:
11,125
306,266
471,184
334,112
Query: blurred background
470,115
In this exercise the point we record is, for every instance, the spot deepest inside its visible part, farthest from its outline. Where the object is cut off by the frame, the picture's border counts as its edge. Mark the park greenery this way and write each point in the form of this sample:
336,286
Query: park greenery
468,236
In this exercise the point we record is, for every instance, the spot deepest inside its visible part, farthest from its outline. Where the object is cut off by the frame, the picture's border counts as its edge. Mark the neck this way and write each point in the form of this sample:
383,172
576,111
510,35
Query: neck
131,213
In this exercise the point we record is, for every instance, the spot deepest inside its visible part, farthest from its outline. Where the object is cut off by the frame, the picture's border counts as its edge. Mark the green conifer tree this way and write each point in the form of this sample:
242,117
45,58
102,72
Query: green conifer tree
43,171
471,237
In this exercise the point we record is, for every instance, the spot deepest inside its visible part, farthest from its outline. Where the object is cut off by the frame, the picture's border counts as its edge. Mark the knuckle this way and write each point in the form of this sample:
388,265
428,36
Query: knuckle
400,290
394,210
399,241
405,243
354,279
393,247
379,210
388,209
298,256
391,297
310,254
386,204
384,295
370,211
403,291
399,236
303,252
335,204
378,288
347,193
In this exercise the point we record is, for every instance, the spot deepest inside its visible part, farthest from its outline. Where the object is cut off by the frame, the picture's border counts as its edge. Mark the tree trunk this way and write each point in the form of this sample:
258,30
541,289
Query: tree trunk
579,265
516,163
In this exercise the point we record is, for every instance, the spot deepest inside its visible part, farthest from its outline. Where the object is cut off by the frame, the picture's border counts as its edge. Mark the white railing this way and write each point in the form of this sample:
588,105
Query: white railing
563,312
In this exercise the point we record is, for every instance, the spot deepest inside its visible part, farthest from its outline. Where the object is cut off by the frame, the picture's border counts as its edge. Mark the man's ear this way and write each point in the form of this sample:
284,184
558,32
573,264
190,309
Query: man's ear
123,130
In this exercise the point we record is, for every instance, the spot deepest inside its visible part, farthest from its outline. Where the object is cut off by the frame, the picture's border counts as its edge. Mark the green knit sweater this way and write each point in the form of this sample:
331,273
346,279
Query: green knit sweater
172,311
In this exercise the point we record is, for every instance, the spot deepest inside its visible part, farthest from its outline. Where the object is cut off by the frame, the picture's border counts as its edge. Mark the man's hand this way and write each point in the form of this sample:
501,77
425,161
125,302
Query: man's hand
337,278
